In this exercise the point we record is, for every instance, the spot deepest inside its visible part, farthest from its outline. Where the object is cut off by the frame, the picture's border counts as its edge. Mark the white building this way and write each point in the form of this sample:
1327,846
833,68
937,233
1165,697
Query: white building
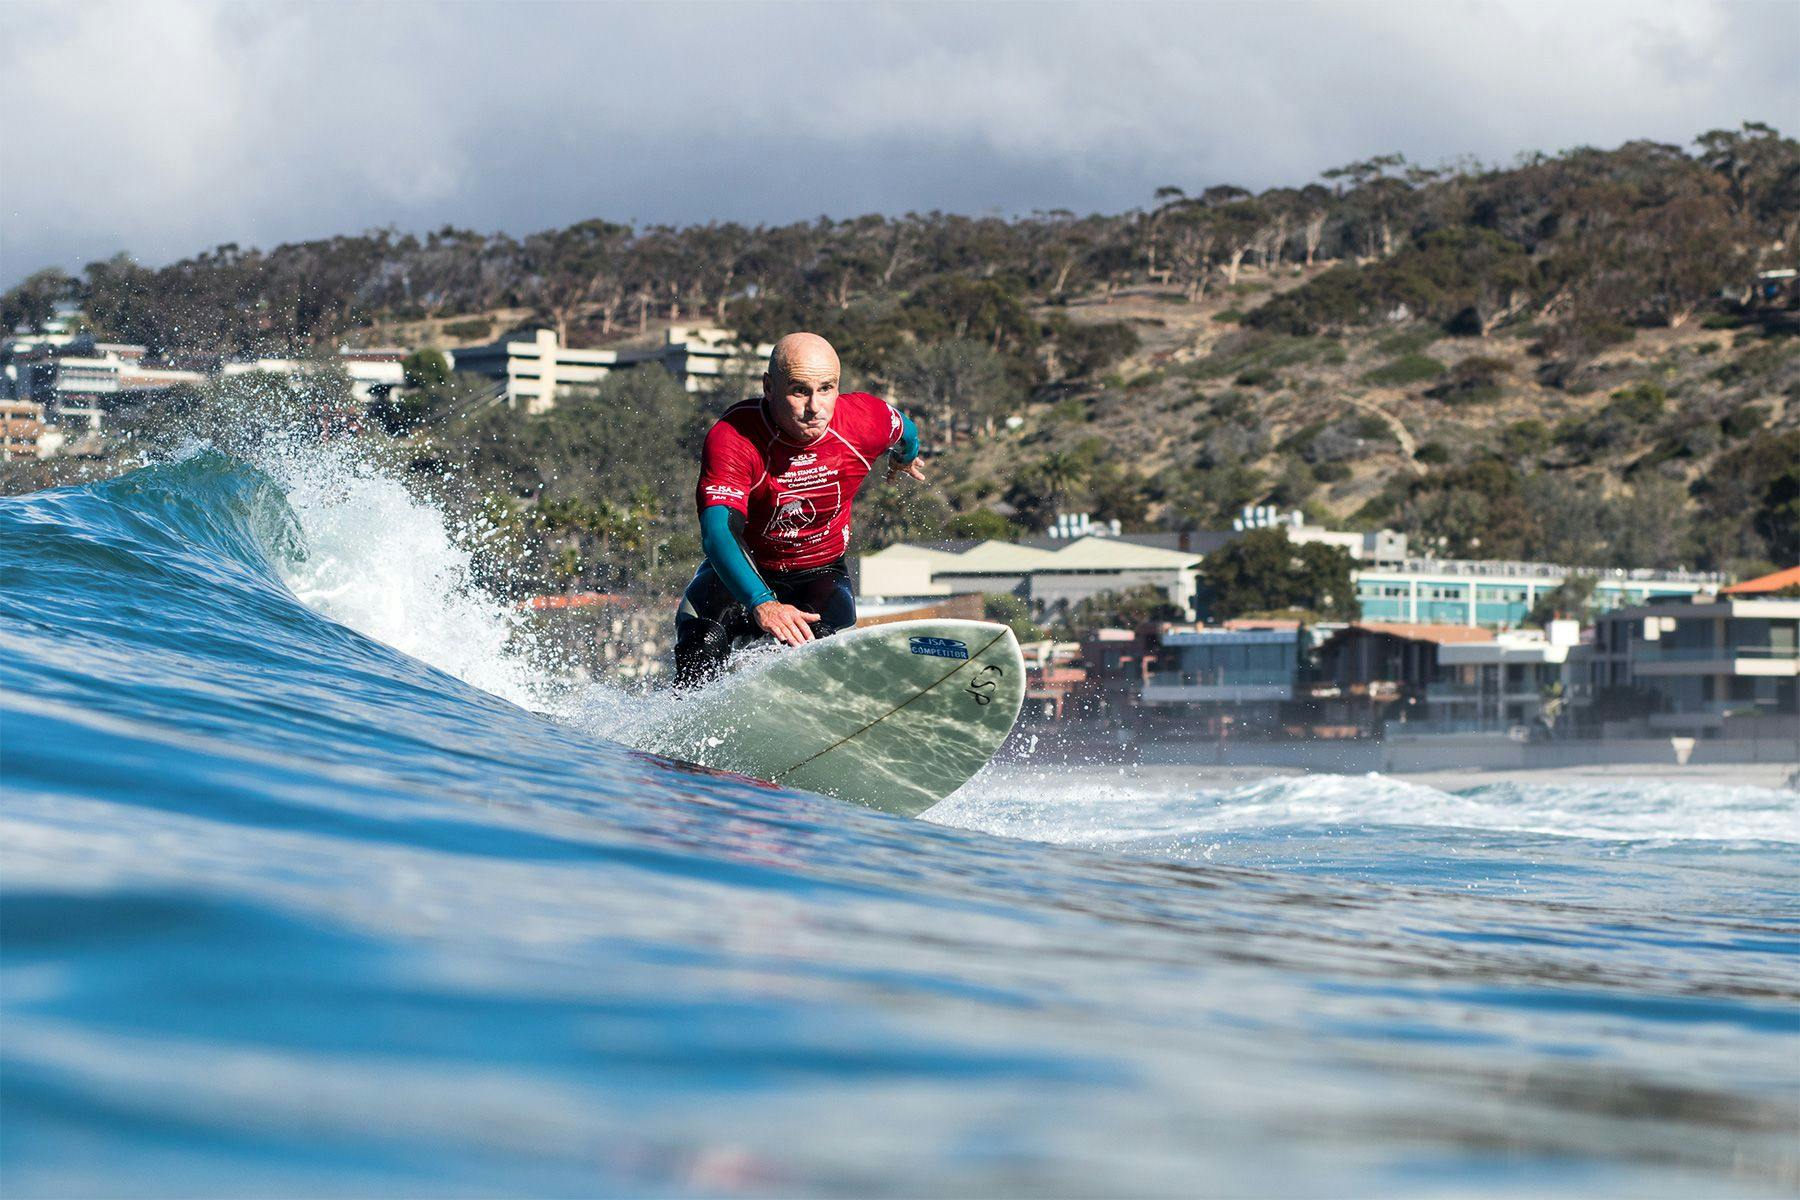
1050,578
75,389
538,368
373,373
1380,547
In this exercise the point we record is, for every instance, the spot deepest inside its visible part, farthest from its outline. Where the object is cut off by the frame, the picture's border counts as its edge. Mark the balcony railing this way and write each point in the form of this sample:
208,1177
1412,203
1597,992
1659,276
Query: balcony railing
1548,571
1655,652
1222,677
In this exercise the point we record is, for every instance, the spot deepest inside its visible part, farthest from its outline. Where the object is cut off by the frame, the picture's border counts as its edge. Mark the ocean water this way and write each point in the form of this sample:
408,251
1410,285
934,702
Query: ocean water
298,896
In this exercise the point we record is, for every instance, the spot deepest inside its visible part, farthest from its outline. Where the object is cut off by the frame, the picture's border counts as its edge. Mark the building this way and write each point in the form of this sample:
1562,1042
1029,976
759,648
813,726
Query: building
373,373
1516,680
1052,577
1781,583
1698,669
1383,547
21,424
1500,595
1118,664
1226,677
1370,673
78,381
1054,678
537,369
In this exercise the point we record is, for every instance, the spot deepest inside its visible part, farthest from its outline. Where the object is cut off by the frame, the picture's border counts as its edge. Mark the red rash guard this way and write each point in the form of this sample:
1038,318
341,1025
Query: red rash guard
795,498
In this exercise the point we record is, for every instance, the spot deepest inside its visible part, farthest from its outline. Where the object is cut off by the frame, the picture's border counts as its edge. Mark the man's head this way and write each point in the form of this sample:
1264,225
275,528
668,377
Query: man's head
801,385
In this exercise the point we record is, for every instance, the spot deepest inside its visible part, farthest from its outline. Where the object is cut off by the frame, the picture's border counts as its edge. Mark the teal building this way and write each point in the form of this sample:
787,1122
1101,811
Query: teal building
1499,595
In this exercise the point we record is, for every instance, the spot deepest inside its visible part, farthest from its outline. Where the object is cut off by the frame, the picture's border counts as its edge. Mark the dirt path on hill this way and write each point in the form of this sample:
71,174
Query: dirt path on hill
1408,446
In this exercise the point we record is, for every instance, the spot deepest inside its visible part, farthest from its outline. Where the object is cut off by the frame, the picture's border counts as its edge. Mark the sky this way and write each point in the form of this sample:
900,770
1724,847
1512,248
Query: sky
165,127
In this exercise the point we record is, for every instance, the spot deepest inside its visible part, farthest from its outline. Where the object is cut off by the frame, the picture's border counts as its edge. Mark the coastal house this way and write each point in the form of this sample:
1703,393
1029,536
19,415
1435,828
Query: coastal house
1370,673
77,381
1219,678
1707,669
1514,681
373,372
21,425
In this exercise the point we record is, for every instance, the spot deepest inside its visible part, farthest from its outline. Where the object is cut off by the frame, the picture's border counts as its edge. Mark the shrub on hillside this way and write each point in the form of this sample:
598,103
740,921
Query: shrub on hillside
1086,349
1444,276
1743,421
1432,454
1474,380
1407,369
983,523
472,330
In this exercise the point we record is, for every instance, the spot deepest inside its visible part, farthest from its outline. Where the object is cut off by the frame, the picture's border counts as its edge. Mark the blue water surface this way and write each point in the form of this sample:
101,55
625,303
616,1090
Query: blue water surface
286,911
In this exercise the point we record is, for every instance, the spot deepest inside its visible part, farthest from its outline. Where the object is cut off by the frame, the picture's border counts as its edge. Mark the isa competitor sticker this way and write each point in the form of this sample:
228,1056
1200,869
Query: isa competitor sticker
938,647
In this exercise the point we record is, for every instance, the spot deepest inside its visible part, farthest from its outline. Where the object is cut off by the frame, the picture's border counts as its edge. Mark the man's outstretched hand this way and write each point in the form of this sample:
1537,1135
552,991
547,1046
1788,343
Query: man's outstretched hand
914,469
785,622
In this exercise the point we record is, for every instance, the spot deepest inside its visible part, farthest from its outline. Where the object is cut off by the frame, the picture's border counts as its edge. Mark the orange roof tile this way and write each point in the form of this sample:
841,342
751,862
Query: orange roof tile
1427,633
1779,581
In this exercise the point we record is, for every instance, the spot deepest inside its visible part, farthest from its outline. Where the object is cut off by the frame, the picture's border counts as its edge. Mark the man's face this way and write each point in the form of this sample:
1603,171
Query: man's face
801,399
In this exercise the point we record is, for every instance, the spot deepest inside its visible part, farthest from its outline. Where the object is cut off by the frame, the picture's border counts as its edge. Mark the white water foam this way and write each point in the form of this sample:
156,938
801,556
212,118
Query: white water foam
1093,807
383,562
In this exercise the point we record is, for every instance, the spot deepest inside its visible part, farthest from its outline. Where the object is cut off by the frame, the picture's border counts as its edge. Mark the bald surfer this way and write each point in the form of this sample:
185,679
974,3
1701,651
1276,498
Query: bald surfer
778,474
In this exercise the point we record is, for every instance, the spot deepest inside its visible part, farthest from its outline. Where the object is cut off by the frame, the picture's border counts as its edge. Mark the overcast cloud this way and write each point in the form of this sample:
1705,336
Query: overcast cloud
165,128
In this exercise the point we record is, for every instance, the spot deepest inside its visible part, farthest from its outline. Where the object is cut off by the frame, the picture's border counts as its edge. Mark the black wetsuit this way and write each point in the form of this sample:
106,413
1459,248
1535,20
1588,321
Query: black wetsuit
711,620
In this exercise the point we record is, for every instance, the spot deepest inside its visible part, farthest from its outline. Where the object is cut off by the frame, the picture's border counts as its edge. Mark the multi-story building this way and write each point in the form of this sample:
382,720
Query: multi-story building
1381,547
78,381
21,424
1515,680
1693,668
1368,674
538,368
1239,676
373,373
1499,595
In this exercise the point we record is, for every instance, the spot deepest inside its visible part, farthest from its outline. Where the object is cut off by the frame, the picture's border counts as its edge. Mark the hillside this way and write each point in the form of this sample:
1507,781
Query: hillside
1367,427
1578,358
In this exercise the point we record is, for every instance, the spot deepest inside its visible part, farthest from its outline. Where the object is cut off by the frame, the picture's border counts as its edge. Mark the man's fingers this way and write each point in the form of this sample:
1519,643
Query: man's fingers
788,624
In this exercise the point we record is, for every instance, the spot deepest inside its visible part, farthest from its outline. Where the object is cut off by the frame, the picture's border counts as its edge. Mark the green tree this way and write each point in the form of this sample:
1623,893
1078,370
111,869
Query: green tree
29,303
427,370
1014,613
1572,599
1125,609
1263,572
956,382
982,523
1118,495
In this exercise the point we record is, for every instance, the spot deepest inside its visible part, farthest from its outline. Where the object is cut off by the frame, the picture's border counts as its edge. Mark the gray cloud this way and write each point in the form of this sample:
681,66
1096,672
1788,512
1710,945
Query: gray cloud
164,128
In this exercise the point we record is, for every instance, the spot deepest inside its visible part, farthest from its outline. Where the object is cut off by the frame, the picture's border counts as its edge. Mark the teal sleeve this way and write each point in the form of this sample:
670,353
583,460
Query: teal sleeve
907,448
721,539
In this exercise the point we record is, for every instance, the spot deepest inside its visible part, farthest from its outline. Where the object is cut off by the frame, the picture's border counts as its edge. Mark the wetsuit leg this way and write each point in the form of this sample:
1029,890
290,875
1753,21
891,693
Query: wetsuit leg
705,625
710,619
826,592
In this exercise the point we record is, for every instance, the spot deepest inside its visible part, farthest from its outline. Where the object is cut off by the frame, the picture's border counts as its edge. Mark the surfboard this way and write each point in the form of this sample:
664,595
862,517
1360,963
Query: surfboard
894,717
